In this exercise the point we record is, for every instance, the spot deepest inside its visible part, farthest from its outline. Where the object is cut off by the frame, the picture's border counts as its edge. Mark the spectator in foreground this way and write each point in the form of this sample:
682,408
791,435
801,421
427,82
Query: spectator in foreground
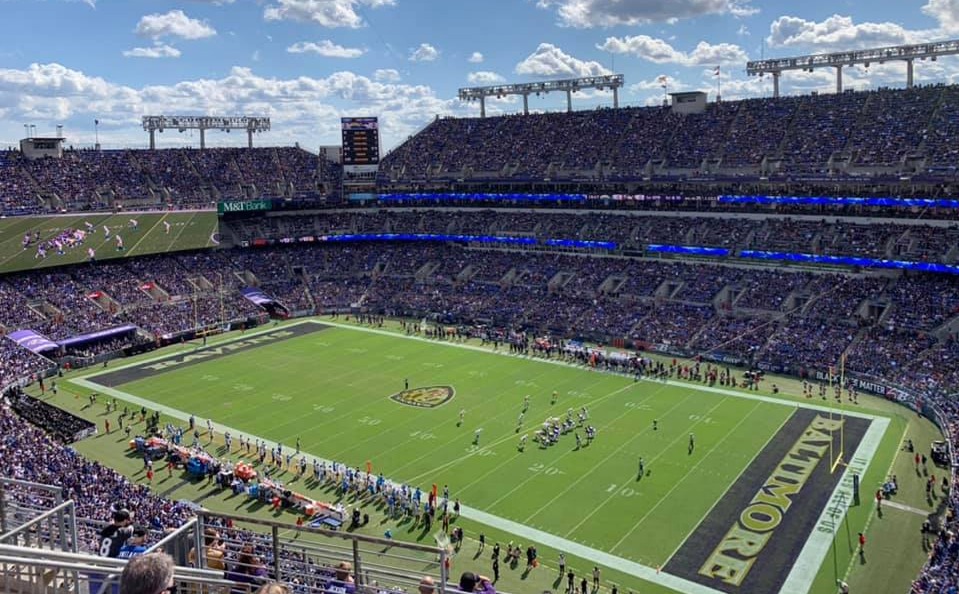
471,582
148,574
427,586
273,588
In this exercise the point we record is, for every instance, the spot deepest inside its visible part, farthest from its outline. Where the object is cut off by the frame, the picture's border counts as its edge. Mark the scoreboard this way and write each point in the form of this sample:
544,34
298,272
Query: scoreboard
361,141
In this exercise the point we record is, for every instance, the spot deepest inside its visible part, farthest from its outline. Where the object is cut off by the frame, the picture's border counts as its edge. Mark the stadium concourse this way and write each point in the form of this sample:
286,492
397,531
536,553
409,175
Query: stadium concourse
893,327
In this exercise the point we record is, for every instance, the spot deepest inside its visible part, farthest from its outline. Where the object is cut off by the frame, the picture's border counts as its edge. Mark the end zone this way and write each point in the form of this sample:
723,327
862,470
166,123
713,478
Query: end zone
765,534
158,365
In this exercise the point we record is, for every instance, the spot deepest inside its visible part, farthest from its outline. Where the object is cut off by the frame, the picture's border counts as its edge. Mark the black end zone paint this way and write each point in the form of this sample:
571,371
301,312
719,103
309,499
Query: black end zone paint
783,543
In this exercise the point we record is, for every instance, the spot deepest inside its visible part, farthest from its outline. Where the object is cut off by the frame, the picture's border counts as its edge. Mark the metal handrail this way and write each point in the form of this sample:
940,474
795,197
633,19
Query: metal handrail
66,505
184,529
106,567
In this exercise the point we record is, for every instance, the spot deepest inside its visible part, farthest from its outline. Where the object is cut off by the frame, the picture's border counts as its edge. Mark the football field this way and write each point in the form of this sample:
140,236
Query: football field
738,492
188,230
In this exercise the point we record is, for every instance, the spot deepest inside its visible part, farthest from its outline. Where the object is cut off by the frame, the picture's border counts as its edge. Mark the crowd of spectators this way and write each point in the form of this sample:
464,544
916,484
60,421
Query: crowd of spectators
875,135
811,135
665,305
98,180
629,230
31,454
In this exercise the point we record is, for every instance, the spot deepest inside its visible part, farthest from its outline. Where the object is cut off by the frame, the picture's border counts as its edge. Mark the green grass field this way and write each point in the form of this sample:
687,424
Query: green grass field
188,230
331,389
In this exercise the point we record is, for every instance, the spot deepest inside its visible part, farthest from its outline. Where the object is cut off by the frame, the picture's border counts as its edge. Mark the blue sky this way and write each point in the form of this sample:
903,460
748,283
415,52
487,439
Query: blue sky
305,63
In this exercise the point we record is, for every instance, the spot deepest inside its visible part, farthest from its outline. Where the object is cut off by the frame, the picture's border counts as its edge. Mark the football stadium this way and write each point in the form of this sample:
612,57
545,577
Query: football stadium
703,345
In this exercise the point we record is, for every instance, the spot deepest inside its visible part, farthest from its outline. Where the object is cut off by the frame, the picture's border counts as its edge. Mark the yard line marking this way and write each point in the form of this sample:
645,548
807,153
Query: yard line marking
604,460
733,482
504,439
460,438
148,232
496,468
906,508
567,453
686,476
178,234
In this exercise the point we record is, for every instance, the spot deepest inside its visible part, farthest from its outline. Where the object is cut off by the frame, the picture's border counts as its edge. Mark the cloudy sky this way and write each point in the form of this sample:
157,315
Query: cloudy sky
305,63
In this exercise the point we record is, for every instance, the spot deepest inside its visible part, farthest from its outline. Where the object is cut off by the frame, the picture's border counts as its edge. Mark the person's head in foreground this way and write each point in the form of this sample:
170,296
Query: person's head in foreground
148,574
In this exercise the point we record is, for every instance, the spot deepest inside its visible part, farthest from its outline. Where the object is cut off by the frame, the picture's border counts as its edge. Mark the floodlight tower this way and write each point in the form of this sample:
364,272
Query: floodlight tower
568,86
152,124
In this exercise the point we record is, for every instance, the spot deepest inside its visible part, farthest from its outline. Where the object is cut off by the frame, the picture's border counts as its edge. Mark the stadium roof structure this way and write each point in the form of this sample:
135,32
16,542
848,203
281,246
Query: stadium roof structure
152,124
568,86
838,60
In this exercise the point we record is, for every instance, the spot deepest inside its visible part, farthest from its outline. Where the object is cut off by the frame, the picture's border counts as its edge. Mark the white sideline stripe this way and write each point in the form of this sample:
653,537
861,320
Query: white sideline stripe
810,559
801,576
599,557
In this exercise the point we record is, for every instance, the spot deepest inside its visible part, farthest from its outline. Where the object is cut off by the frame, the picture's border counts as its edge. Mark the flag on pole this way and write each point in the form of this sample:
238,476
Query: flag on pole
716,71
662,80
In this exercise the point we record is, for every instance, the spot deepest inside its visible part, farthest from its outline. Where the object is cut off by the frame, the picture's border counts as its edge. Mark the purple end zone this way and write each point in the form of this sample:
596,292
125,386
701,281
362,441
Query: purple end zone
154,367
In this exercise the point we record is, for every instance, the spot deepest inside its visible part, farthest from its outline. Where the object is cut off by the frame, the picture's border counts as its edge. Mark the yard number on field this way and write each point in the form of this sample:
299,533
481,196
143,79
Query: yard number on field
547,470
625,491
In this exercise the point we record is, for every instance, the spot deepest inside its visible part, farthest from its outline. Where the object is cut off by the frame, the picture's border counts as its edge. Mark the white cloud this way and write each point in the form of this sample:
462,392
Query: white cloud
838,33
424,53
946,13
659,51
326,13
215,2
743,31
484,77
475,58
549,60
160,50
256,56
386,75
612,13
173,24
325,48
302,109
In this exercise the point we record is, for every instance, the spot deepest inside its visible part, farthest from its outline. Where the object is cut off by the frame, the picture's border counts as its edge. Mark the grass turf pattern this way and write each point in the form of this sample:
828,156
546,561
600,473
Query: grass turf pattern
332,390
188,230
